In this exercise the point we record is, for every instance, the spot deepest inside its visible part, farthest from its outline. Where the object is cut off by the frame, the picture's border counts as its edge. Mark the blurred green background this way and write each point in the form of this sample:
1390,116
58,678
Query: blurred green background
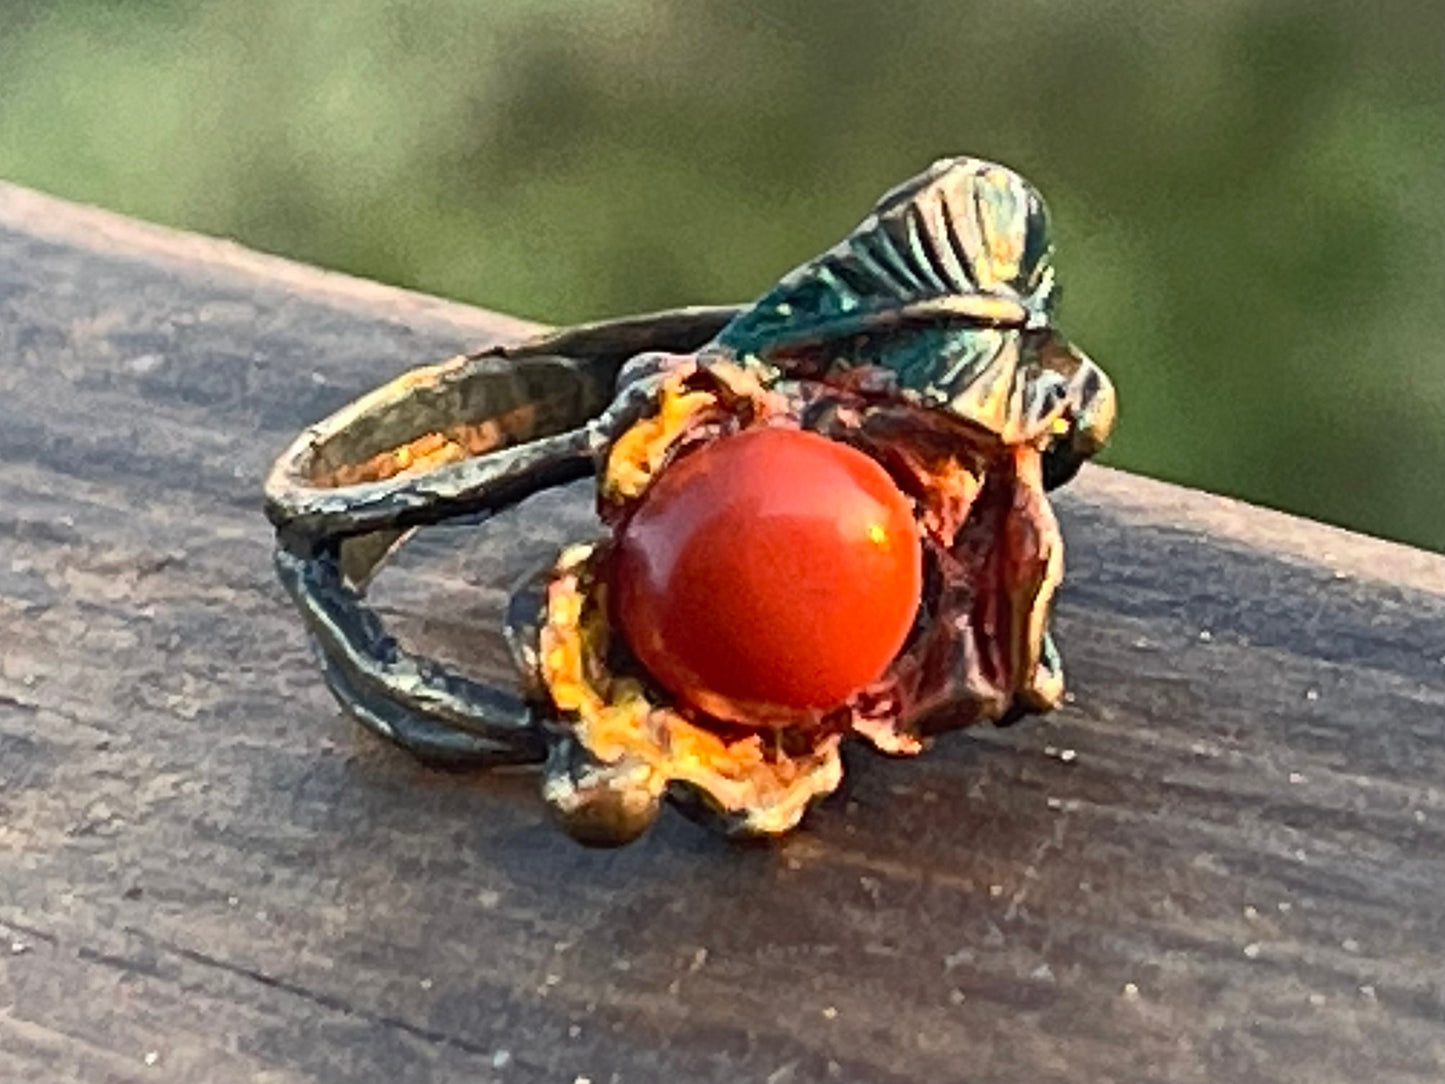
1249,195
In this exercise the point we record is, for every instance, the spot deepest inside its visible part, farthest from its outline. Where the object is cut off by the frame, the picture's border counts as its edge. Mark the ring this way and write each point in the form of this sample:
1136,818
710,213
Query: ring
825,518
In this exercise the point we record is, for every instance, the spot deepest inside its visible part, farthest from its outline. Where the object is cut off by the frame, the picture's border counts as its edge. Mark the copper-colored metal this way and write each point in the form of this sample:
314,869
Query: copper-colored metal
924,339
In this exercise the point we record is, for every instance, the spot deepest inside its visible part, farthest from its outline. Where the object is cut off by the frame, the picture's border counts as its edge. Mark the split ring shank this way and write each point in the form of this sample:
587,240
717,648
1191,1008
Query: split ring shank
467,437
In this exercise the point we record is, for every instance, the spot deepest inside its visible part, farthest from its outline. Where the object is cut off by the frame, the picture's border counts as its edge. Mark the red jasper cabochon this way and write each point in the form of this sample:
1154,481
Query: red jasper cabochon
773,570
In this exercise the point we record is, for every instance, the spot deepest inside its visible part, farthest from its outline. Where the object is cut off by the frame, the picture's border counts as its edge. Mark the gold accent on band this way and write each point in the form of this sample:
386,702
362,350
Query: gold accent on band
434,449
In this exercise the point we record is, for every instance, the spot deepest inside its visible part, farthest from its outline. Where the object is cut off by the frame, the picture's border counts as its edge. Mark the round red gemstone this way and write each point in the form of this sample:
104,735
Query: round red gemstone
768,575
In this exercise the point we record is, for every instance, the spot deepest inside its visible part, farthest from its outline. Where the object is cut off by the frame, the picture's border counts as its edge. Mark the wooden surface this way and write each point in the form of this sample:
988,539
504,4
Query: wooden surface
1223,861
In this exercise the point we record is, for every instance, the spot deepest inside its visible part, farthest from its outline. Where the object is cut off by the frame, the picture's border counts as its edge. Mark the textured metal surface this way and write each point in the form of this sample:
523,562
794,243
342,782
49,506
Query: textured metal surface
935,311
332,536
948,284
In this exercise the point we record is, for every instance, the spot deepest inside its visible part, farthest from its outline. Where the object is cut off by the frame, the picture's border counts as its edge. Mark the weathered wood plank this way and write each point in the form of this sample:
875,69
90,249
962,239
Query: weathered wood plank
1234,875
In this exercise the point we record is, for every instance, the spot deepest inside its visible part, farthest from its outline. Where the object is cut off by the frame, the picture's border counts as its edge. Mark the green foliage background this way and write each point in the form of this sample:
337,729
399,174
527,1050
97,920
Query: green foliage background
1249,194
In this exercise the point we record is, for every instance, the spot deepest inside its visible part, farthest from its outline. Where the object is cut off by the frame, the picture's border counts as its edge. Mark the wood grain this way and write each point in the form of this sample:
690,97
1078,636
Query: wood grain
1222,861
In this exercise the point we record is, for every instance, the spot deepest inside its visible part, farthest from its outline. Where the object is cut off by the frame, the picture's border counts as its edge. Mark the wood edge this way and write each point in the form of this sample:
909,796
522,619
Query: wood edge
1147,501
52,218
1134,497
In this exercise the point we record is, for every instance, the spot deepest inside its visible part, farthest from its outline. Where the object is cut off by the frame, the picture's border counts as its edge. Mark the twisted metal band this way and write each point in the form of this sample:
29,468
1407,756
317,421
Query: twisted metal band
468,437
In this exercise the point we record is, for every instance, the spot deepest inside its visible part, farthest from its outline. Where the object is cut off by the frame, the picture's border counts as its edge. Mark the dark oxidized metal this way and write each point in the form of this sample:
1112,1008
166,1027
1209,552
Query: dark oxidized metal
924,339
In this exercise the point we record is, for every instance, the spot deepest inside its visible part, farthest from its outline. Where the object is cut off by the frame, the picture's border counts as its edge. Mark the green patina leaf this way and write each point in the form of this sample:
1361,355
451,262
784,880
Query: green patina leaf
943,263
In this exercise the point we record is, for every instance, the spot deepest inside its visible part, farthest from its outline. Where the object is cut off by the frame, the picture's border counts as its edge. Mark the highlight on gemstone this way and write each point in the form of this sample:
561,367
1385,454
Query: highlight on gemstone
768,575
